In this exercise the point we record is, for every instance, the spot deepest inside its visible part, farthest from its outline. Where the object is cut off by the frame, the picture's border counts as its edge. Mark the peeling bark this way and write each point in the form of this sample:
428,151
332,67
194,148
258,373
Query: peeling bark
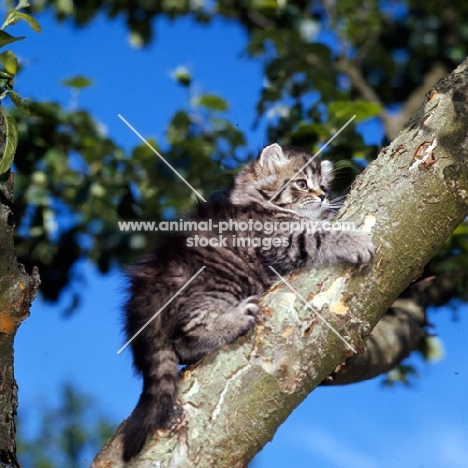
17,291
411,199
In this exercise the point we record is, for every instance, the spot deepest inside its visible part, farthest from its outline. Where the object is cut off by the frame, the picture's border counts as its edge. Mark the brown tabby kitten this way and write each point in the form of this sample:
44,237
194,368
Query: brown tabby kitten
222,302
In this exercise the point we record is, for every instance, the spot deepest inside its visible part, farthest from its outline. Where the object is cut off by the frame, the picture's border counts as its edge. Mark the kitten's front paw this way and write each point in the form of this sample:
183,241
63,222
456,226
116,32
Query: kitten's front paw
356,247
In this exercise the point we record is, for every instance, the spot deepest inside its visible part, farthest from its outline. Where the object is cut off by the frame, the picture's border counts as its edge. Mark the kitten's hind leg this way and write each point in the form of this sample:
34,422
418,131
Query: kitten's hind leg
212,324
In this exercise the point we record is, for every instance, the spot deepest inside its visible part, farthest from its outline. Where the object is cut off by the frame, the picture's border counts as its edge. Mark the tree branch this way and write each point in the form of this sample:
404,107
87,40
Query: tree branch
412,197
393,123
17,291
346,66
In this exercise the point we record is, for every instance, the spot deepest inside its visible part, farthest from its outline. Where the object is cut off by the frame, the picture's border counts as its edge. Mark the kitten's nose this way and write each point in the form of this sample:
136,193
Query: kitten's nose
321,195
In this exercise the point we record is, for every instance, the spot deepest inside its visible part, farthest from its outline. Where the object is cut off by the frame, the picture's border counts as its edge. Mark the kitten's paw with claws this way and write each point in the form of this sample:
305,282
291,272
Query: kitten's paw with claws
247,311
356,247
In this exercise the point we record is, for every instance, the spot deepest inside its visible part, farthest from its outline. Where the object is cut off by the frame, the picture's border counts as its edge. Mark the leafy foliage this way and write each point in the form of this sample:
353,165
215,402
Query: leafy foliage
323,63
73,184
8,70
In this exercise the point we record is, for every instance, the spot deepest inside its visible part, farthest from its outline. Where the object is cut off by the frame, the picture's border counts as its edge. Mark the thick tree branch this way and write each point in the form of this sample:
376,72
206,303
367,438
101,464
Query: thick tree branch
17,291
411,198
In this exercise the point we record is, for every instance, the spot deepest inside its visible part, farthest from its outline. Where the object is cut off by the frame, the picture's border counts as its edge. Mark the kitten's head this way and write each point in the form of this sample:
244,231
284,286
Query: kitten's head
288,179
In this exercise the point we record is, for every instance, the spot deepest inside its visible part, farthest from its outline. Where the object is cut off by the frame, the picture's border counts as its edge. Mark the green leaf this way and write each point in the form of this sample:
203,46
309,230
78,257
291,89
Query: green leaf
78,81
17,16
5,81
179,128
401,373
19,102
361,109
6,38
13,16
432,349
264,4
22,4
8,127
10,62
136,40
182,76
213,102
462,229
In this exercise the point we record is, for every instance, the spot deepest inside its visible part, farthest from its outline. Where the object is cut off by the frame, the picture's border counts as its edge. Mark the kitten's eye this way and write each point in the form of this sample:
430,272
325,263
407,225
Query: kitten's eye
301,184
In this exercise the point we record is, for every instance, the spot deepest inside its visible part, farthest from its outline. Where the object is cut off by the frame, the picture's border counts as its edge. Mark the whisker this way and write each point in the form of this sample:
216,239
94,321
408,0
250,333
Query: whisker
339,198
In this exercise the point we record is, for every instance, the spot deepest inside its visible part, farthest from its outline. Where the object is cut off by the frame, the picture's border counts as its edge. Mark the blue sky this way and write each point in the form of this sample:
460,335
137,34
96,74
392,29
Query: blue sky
358,426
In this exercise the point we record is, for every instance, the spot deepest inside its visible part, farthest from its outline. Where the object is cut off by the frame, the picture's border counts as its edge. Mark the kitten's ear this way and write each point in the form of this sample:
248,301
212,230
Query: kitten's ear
272,157
326,168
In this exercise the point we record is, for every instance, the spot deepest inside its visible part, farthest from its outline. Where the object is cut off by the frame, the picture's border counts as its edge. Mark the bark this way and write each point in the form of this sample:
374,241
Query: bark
17,290
411,199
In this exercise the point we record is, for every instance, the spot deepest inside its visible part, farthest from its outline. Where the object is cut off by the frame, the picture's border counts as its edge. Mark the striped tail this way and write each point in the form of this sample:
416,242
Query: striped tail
156,403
